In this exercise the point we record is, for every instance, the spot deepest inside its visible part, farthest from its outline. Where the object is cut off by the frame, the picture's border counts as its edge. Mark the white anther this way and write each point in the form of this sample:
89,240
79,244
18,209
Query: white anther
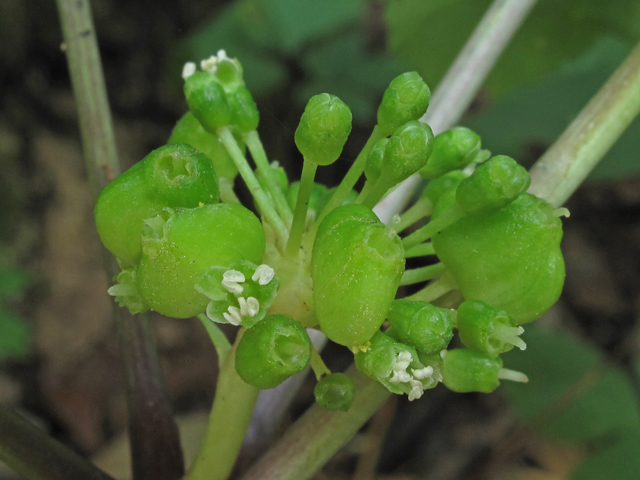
249,307
222,55
233,317
253,306
230,280
263,274
421,373
188,70
416,390
401,377
211,64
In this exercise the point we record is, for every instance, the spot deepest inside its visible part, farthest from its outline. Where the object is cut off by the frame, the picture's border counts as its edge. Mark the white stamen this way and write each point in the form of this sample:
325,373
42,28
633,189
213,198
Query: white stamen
230,280
188,70
233,317
263,274
416,390
253,306
211,64
401,377
421,373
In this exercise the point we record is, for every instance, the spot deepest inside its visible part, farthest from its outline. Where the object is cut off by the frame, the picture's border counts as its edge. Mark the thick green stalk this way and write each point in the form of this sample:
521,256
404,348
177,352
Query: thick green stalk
228,422
36,456
302,205
563,167
422,274
218,338
155,443
319,433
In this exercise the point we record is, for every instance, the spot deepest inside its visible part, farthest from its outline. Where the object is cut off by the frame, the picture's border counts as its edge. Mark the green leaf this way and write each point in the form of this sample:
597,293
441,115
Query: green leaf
620,461
571,394
15,336
12,281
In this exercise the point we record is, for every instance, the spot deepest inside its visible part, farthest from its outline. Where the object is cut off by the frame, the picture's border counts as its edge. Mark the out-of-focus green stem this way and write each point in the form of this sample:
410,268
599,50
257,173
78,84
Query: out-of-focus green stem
319,433
155,443
36,456
563,167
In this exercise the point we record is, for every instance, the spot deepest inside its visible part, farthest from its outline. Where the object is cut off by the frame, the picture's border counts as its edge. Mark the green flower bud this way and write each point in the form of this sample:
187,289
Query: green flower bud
396,366
373,167
492,186
171,176
179,247
453,150
406,152
240,294
469,371
335,392
188,130
436,187
405,99
323,130
271,351
244,112
509,259
356,266
486,329
207,101
426,327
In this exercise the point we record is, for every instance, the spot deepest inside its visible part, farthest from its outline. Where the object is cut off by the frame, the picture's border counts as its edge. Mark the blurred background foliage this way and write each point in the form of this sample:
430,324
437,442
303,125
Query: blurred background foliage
582,359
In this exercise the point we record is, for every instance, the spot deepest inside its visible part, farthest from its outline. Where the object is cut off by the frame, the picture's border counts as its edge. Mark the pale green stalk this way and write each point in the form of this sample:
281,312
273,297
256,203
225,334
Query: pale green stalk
218,338
422,274
228,422
302,205
564,166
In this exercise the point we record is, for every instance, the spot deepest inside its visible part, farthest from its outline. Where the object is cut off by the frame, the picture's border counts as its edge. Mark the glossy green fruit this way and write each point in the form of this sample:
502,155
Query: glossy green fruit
509,259
468,371
356,267
180,246
171,176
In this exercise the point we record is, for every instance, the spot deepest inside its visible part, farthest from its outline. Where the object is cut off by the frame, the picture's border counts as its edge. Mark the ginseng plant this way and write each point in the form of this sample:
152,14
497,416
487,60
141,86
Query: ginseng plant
304,257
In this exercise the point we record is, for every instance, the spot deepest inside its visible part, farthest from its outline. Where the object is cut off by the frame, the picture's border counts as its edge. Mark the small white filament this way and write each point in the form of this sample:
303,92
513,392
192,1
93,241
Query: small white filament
233,317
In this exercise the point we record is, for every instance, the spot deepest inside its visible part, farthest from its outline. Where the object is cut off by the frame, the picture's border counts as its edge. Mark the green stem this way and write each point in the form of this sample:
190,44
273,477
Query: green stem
227,195
434,290
218,338
378,191
252,139
302,205
368,185
228,422
352,176
422,208
317,364
35,455
559,172
318,434
421,250
417,275
445,219
264,203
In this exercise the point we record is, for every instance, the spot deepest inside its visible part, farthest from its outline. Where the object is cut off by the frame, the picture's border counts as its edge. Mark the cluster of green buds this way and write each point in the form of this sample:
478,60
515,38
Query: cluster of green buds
308,256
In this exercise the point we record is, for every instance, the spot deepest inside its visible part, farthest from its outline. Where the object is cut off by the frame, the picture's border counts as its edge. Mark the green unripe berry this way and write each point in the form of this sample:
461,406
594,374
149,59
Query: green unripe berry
468,371
509,259
207,101
335,392
405,99
426,327
323,130
189,130
356,266
436,187
180,246
271,351
406,152
486,329
492,186
171,176
373,167
453,149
